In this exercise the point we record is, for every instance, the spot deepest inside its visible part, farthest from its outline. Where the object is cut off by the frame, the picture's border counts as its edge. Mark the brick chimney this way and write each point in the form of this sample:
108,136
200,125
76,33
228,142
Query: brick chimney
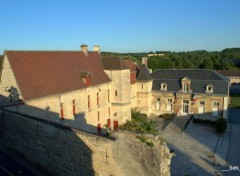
96,48
84,49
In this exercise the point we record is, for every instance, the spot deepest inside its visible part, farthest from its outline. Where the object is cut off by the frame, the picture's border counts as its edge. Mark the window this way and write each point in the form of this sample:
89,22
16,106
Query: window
186,84
108,95
115,93
98,115
185,87
215,108
109,123
157,103
209,88
61,111
73,106
89,103
109,112
169,105
163,86
97,98
185,107
201,108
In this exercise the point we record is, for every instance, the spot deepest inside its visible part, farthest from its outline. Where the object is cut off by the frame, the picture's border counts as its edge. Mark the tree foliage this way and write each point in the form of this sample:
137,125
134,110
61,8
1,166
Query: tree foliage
200,59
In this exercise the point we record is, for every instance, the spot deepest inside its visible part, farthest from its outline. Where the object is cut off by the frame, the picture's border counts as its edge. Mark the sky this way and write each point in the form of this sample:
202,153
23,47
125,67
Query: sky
120,25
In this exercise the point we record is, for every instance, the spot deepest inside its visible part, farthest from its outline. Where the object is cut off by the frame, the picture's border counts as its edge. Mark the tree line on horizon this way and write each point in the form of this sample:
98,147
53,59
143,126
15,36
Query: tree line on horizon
227,59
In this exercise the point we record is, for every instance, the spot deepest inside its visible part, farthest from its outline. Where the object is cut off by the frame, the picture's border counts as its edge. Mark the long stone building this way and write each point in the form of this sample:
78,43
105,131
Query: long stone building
85,91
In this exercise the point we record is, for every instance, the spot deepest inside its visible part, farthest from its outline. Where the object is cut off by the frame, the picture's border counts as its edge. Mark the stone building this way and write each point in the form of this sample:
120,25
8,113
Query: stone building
82,90
232,75
70,87
189,92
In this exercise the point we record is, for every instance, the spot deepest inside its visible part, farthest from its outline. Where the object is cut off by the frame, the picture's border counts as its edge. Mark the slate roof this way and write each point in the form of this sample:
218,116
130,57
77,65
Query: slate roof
181,73
43,73
199,80
113,63
144,74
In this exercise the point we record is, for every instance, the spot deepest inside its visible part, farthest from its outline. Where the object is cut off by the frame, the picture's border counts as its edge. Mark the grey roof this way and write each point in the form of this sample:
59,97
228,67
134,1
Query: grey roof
144,74
199,80
113,63
195,74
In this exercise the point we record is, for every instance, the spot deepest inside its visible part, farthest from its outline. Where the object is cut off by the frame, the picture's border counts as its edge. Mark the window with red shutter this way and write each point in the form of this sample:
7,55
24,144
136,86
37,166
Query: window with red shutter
73,106
61,111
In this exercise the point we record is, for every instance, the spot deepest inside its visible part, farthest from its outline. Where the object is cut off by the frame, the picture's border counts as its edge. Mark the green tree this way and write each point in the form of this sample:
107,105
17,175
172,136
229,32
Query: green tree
207,64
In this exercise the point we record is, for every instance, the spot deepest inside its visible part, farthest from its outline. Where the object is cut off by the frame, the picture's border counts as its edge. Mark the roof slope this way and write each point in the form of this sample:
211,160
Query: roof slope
43,73
199,80
229,72
181,73
144,74
113,63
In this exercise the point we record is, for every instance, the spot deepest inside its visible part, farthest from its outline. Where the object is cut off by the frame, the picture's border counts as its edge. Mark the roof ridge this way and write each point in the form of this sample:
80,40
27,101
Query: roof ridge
45,51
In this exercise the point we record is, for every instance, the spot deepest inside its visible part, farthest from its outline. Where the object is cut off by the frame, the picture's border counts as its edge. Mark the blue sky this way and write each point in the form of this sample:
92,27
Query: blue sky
120,25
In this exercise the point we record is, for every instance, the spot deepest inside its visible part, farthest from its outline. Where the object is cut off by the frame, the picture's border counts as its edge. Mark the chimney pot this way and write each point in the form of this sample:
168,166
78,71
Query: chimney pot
96,48
84,49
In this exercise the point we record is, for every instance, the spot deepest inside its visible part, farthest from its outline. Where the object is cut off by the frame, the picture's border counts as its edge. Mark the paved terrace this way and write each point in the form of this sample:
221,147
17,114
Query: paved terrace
199,149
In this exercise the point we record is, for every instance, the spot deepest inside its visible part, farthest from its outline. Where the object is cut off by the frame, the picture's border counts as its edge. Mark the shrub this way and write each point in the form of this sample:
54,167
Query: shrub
140,123
204,121
221,125
167,116
144,139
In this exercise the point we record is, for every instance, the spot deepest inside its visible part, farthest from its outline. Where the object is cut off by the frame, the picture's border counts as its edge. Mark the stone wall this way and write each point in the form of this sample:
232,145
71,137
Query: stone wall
60,150
193,105
7,80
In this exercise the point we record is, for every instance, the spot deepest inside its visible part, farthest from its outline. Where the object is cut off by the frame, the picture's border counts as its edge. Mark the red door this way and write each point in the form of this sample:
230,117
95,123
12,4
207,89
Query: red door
115,124
99,128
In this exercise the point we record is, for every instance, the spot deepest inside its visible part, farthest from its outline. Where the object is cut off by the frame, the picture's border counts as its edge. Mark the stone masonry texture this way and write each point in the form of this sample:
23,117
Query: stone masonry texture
64,151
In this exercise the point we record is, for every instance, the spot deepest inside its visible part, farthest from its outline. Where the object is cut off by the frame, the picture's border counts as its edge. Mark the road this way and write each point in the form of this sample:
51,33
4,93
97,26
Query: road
11,167
233,156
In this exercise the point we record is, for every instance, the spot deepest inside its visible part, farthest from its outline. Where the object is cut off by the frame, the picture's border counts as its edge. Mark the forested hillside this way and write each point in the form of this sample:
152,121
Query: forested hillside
227,59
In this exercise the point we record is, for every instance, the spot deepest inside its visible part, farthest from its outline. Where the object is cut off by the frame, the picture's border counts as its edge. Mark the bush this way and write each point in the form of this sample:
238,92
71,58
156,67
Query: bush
144,139
167,116
221,125
140,123
204,121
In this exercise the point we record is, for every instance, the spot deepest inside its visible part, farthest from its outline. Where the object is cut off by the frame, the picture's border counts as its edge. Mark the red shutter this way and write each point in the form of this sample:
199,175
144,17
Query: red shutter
97,98
115,124
88,81
89,105
61,111
99,128
73,107
108,95
109,123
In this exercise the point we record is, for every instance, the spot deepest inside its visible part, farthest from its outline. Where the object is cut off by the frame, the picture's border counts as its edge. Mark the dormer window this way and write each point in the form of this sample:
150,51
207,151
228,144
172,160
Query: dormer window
185,87
209,88
86,77
186,82
163,86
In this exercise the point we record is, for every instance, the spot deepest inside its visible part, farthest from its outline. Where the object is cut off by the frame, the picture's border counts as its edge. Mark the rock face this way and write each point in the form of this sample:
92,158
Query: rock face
60,150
